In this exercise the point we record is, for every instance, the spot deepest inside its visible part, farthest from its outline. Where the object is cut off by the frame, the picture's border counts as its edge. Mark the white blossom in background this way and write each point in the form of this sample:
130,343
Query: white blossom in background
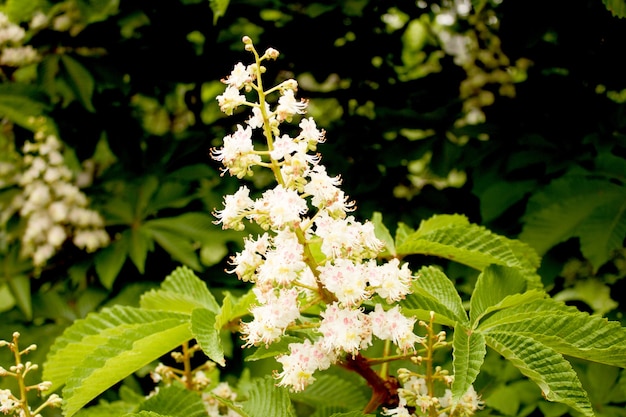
54,209
13,52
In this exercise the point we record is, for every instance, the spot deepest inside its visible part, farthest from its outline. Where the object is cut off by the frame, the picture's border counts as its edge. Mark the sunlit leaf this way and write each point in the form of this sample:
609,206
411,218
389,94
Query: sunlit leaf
175,401
466,243
96,352
547,368
564,329
207,336
181,291
494,284
266,399
468,354
433,291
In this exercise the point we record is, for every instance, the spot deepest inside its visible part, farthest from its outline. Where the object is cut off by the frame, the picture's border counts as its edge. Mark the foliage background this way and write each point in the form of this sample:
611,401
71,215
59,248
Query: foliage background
130,86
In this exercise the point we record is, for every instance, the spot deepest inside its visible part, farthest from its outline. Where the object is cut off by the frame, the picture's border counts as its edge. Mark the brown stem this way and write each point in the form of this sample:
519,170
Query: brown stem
384,391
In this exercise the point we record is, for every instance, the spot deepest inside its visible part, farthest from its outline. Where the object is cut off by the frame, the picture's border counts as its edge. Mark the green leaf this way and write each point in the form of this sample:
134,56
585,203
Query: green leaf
433,291
593,292
95,353
146,414
22,10
351,414
266,399
564,329
181,291
275,349
454,238
469,350
383,234
402,232
105,409
577,206
547,368
494,284
233,308
219,8
139,244
333,391
616,7
177,246
194,225
176,401
20,288
80,81
98,10
21,103
109,262
207,336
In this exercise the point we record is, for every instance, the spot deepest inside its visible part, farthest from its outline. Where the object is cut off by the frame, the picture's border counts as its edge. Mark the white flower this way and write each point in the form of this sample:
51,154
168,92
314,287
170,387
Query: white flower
90,240
8,403
18,56
310,133
347,238
58,211
302,361
256,120
344,329
389,281
237,154
230,100
39,21
56,236
346,280
250,258
393,325
239,76
283,146
235,208
323,189
271,318
279,208
285,263
42,254
288,106
10,32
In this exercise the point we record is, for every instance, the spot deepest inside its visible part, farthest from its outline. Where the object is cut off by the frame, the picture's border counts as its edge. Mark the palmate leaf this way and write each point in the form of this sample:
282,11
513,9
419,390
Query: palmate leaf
500,287
207,336
616,7
266,399
469,350
453,237
547,368
334,391
181,291
577,206
564,329
175,401
102,349
433,291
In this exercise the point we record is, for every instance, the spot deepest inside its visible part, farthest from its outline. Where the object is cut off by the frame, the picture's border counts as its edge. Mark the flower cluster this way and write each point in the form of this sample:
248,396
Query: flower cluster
54,208
218,397
416,400
313,252
13,52
18,405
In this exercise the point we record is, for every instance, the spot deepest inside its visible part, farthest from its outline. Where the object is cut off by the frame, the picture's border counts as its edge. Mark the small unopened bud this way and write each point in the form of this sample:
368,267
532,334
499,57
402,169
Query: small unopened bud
271,53
246,40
